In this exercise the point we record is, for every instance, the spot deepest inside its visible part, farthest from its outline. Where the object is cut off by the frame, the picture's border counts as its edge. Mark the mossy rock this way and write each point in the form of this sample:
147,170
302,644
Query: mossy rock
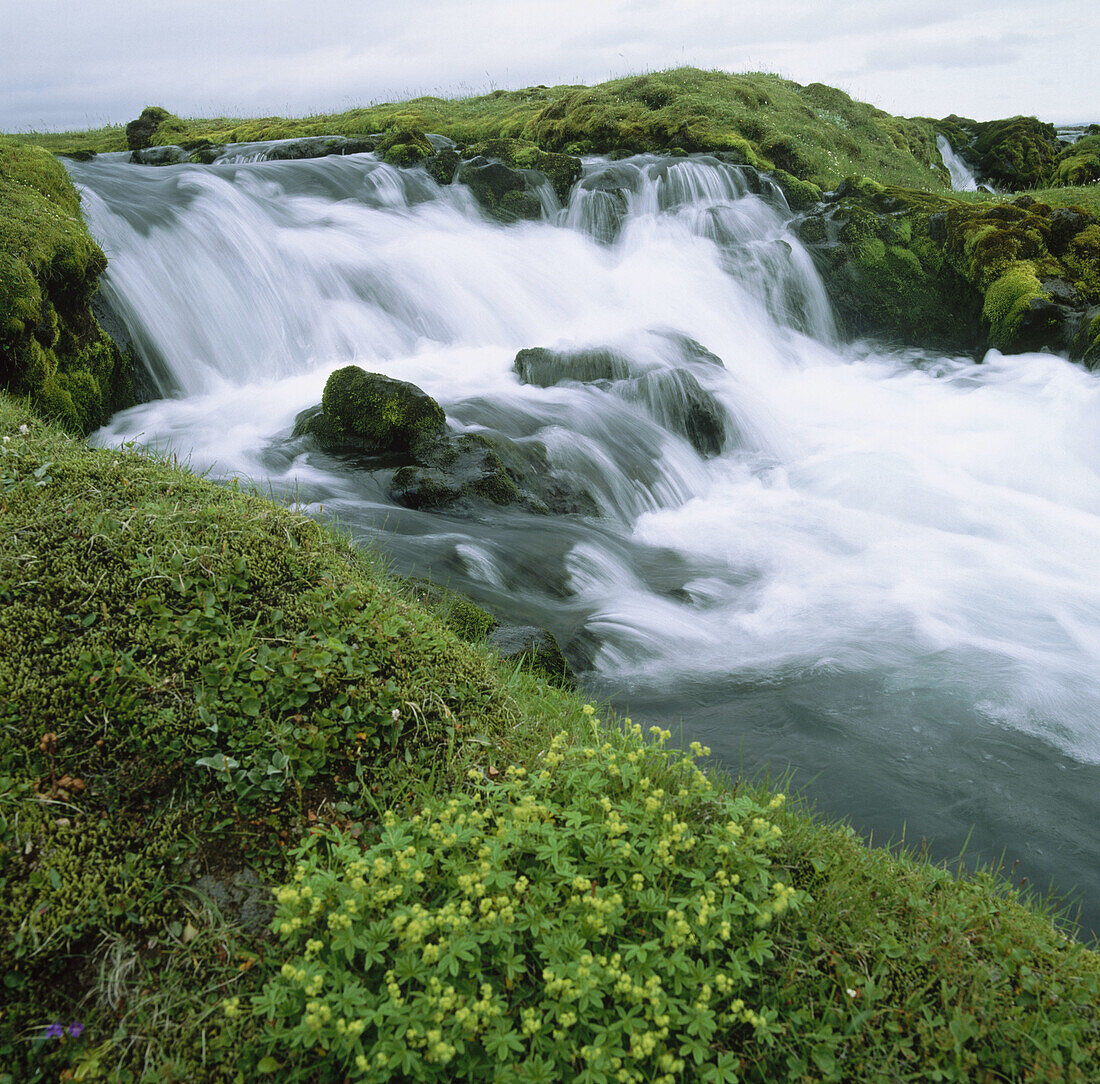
155,127
51,348
461,615
405,147
562,170
372,414
507,194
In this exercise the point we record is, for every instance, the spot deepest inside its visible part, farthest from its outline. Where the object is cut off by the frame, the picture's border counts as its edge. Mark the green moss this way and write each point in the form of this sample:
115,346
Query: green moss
816,133
51,348
1008,300
380,413
160,622
405,147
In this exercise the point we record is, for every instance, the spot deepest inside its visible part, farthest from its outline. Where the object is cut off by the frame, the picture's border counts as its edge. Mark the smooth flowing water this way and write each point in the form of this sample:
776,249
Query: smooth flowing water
887,580
962,179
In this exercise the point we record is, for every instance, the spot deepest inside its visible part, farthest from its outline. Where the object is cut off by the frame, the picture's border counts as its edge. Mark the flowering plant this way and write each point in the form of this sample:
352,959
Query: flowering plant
599,919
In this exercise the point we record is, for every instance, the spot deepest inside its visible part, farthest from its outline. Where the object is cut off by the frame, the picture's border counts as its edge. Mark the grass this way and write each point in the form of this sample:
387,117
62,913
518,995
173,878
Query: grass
163,637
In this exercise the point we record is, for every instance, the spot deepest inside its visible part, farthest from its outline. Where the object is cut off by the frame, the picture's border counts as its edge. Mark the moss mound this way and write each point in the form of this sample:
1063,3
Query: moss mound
936,270
51,347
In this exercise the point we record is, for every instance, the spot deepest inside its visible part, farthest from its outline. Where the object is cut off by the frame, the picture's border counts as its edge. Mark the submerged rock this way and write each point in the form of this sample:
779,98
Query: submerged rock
677,401
543,367
537,648
397,425
159,156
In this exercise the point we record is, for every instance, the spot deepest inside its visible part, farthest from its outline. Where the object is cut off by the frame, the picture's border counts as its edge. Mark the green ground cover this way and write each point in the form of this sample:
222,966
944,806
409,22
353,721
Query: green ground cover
211,703
814,132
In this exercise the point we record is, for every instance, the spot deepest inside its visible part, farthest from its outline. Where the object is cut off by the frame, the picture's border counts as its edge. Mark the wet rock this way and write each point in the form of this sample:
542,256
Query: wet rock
372,414
443,165
507,194
676,400
321,147
561,170
159,156
544,367
538,648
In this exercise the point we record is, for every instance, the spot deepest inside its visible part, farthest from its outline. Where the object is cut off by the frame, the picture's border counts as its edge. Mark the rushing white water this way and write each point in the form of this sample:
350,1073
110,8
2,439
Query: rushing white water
962,178
894,542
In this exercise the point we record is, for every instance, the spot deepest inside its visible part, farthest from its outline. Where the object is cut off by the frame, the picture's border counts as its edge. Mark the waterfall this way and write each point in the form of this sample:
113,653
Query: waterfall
881,572
962,179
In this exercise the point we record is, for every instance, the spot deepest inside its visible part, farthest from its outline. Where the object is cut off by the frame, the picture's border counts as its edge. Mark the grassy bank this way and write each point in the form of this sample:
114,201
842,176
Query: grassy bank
814,132
207,697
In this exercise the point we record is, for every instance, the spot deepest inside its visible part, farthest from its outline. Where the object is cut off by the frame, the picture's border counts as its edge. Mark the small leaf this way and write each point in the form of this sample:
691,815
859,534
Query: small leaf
268,1065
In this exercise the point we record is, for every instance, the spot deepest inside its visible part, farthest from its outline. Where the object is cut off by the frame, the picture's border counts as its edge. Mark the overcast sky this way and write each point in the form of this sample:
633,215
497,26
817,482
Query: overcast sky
84,63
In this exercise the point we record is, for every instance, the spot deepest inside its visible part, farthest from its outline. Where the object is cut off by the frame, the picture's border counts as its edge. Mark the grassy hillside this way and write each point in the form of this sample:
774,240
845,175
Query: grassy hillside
814,132
206,694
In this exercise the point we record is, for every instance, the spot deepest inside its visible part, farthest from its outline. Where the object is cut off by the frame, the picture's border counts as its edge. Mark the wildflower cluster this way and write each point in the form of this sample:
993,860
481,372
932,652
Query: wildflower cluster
602,918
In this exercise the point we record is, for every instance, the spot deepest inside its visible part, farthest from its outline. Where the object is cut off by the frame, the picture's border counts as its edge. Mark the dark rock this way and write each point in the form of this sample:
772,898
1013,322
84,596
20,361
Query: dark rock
443,165
1065,224
140,132
77,156
321,147
159,156
507,194
203,151
561,170
544,367
675,400
537,648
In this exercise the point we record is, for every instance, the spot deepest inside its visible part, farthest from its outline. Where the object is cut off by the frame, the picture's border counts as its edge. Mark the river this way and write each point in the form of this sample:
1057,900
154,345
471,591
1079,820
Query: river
885,582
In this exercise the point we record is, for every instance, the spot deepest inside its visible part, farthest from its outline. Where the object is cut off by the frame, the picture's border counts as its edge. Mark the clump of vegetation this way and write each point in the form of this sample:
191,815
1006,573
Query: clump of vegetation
51,347
430,955
1079,163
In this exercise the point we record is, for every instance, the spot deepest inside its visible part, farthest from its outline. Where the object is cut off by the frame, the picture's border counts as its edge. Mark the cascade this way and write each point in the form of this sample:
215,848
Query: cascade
878,567
962,179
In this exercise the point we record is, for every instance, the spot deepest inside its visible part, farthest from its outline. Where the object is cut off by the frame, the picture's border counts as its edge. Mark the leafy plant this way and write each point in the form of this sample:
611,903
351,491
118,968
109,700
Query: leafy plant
604,918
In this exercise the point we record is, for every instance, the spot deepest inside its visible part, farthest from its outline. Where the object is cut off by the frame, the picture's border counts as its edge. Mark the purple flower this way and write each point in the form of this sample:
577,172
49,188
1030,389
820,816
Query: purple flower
54,1031
76,1029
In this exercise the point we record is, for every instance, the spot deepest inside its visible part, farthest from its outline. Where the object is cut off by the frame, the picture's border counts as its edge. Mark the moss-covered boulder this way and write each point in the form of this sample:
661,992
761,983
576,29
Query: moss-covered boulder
405,147
443,165
938,271
1011,155
887,275
372,414
562,170
155,127
507,194
51,348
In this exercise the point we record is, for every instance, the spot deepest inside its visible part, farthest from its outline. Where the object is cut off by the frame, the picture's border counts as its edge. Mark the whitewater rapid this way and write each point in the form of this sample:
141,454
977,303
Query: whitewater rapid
888,576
